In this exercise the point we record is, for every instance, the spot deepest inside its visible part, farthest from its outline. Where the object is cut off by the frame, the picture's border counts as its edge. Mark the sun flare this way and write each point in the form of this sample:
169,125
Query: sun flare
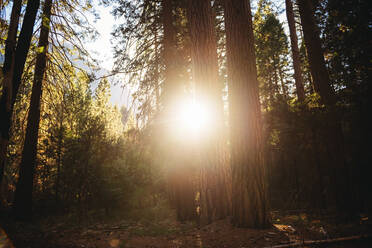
194,117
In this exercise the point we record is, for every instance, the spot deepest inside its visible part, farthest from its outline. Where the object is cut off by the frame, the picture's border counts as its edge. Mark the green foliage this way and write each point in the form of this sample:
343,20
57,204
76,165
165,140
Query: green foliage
94,157
271,55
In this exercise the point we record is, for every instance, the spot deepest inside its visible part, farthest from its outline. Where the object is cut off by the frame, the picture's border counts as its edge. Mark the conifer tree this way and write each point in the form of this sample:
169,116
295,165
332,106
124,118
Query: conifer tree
213,196
295,51
23,196
250,205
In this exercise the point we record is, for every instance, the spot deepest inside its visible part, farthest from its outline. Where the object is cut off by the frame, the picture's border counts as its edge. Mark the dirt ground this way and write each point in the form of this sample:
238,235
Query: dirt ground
286,229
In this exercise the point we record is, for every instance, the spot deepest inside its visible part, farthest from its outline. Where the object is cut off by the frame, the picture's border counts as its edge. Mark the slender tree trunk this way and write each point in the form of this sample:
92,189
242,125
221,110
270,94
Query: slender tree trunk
295,52
59,157
317,64
23,195
209,93
276,78
6,96
283,84
23,45
334,139
250,206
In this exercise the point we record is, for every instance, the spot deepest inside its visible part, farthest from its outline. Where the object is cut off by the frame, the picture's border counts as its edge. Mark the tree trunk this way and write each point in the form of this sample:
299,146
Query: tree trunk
6,96
250,206
295,52
20,55
318,68
338,169
59,156
283,84
23,45
213,195
157,81
23,195
171,84
180,175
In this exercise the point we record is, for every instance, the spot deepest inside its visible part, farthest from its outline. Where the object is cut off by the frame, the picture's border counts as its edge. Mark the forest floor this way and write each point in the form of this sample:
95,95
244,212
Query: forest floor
151,233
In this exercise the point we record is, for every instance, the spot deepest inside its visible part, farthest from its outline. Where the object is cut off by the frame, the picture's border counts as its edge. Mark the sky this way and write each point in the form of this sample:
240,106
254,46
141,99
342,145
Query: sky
101,49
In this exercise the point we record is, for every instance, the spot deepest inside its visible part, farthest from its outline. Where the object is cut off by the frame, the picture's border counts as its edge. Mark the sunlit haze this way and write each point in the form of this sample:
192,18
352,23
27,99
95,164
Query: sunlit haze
194,117
185,123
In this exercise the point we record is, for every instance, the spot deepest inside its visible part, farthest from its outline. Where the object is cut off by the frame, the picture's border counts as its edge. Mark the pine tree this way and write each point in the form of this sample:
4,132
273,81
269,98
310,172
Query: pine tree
322,83
213,195
7,88
20,55
250,206
295,51
180,176
272,55
23,195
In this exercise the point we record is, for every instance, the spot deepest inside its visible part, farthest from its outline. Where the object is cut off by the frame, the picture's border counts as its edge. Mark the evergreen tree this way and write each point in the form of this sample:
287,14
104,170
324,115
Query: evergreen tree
213,195
295,51
250,205
7,87
272,55
23,194
318,69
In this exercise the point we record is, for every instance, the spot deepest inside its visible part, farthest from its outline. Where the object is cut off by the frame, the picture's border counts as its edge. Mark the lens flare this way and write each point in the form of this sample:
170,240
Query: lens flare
194,117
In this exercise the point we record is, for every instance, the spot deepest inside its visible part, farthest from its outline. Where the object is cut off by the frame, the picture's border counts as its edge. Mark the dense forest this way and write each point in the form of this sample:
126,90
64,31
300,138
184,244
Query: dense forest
248,124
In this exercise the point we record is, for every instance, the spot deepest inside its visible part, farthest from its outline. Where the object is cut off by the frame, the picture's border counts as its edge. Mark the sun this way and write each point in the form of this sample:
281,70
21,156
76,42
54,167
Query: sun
193,117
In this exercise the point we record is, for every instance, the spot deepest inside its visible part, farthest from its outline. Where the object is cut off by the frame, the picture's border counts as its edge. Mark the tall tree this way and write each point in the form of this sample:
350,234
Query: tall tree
348,59
23,46
317,64
295,51
23,194
6,96
213,201
335,142
250,206
181,185
271,55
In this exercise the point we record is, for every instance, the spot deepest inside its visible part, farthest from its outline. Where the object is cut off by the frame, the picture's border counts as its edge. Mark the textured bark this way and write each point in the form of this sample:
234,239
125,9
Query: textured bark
250,207
180,176
156,76
6,96
213,195
23,195
171,84
295,51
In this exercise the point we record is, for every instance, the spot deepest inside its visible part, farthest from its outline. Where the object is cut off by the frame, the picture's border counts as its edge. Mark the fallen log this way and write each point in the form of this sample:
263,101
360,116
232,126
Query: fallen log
322,241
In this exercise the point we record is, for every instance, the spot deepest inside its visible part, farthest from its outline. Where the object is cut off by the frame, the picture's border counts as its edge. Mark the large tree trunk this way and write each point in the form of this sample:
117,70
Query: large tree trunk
23,195
213,195
180,173
295,52
6,96
172,87
338,170
250,206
